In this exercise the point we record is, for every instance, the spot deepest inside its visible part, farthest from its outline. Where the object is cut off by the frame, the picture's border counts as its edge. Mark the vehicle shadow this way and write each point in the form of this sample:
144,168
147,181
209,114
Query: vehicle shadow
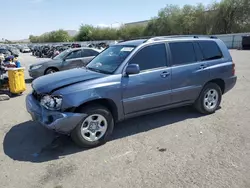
31,142
29,80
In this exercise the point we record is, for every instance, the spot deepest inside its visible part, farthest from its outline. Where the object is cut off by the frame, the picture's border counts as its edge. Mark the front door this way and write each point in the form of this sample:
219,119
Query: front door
151,88
189,72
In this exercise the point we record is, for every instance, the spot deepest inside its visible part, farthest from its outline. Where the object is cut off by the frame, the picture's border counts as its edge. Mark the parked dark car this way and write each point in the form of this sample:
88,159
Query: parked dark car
246,42
76,45
7,52
14,51
68,59
129,79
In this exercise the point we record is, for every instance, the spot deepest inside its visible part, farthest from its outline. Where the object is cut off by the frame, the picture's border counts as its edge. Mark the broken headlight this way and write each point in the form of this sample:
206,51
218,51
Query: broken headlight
51,102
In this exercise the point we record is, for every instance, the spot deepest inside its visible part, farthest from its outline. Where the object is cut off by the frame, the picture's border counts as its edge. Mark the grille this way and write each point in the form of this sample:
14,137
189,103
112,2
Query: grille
36,95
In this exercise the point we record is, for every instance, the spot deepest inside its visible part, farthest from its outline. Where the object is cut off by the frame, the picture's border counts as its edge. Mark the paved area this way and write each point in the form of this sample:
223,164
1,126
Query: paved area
176,148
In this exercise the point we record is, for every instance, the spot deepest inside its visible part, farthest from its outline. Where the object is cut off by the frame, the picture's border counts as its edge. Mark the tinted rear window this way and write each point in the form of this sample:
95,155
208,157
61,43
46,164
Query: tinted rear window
198,52
210,50
88,53
182,53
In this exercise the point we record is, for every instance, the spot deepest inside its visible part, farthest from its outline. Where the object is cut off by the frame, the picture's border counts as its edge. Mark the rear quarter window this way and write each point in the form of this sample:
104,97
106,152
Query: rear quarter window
210,50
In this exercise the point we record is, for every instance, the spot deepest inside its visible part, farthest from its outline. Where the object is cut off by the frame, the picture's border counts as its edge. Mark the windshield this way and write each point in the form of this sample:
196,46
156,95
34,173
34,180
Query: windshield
62,55
110,59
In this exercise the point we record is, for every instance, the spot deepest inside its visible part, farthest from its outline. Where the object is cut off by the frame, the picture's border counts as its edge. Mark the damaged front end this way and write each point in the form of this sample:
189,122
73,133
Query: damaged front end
62,122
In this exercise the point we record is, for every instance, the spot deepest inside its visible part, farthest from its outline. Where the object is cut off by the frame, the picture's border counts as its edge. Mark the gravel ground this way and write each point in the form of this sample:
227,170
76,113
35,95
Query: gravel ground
176,148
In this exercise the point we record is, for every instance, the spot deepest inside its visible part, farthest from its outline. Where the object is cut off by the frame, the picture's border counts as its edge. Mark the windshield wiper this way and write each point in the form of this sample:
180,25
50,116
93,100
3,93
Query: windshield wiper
98,70
93,69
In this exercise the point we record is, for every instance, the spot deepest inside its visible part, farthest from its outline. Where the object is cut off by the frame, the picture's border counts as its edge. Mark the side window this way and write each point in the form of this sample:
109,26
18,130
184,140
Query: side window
182,53
198,52
88,53
210,50
74,54
150,57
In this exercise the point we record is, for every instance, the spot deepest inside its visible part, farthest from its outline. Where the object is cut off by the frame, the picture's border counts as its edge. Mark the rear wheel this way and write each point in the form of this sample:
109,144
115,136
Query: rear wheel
50,71
209,99
95,129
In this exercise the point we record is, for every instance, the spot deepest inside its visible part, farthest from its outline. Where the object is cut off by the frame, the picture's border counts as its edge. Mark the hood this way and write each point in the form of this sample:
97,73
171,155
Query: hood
52,82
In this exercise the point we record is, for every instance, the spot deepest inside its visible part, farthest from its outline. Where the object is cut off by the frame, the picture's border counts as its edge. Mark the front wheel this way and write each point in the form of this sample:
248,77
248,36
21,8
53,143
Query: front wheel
209,99
95,129
50,71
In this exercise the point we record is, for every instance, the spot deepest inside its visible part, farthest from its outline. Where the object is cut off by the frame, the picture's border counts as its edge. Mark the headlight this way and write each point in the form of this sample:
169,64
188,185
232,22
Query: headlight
51,102
35,67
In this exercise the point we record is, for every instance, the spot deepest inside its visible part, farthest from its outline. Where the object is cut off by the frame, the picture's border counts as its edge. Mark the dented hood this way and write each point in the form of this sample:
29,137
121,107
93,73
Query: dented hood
52,82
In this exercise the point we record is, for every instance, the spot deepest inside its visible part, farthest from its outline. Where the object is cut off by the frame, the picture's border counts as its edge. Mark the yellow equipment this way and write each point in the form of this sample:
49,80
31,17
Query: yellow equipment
16,80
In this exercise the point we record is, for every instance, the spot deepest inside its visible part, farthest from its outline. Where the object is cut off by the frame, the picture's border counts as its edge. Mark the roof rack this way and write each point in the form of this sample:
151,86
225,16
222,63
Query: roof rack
179,36
137,38
157,38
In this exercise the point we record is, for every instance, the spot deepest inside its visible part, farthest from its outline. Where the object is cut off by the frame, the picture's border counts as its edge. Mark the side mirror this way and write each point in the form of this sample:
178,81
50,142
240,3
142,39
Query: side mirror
132,69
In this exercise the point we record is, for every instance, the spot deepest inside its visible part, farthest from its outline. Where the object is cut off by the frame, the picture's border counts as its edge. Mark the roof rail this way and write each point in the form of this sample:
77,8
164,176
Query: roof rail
155,38
179,36
137,38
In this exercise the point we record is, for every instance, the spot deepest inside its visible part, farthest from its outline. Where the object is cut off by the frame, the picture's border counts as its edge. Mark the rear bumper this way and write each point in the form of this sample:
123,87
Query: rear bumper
61,122
230,83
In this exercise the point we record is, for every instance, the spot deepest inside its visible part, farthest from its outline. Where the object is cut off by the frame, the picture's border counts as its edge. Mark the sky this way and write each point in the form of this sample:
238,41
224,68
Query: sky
21,18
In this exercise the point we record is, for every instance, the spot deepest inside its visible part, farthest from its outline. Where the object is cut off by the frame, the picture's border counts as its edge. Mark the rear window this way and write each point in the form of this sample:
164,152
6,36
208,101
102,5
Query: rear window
210,50
88,53
198,52
182,53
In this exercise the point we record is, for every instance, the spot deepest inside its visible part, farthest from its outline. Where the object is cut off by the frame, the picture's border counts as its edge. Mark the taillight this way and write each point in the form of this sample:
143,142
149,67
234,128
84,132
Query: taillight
233,70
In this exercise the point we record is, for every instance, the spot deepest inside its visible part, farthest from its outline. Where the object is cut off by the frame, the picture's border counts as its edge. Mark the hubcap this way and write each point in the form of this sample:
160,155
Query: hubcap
94,127
51,71
211,99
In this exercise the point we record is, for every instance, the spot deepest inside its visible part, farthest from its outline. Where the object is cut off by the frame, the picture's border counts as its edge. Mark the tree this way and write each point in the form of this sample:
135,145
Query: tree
33,39
85,33
127,32
59,36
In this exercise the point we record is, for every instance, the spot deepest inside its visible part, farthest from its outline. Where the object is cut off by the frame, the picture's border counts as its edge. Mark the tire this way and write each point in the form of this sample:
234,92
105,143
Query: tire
84,139
209,99
50,71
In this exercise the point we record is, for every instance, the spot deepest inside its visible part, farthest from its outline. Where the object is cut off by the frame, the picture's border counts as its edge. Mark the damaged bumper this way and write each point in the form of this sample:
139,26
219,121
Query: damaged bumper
62,122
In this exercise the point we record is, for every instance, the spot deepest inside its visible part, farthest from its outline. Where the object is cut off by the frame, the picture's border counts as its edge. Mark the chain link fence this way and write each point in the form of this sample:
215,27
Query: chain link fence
233,41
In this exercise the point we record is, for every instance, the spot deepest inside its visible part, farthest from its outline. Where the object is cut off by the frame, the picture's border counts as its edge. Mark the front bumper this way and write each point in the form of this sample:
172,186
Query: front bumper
61,122
35,73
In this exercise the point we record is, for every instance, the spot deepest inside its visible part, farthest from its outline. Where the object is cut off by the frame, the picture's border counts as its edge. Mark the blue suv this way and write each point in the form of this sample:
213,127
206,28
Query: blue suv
129,79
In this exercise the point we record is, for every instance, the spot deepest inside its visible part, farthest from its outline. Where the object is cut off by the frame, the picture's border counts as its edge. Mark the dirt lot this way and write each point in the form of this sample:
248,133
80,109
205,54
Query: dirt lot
176,148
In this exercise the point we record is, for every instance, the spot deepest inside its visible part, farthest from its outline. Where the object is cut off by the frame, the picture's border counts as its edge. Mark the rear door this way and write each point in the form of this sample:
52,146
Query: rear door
88,55
214,61
73,60
189,72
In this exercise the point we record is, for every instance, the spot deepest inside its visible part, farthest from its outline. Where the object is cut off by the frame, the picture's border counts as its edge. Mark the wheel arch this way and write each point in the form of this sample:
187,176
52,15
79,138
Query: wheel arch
54,68
220,82
108,103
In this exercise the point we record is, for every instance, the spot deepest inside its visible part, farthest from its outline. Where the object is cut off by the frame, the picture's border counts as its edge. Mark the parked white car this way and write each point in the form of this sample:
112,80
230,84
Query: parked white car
25,50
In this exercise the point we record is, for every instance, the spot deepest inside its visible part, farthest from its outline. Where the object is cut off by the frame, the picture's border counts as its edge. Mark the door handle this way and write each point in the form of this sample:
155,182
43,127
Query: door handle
202,66
165,74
